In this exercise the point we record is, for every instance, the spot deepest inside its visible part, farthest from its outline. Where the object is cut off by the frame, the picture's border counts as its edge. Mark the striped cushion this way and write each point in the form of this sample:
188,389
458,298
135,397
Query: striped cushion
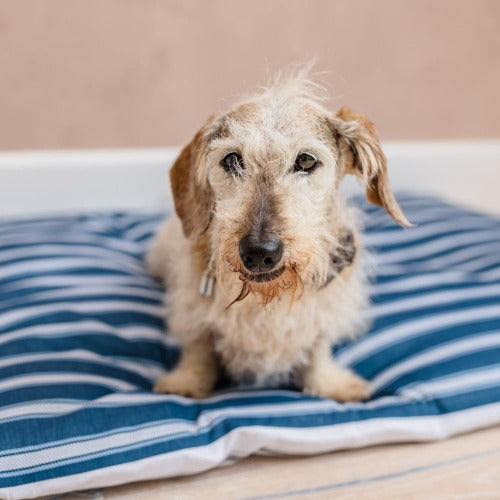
82,339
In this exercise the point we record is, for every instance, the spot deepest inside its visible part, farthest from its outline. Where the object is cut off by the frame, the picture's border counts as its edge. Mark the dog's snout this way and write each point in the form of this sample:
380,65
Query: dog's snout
260,255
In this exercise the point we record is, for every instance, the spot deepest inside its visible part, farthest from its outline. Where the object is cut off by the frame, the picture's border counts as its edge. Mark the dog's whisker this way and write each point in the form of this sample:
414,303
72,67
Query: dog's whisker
243,293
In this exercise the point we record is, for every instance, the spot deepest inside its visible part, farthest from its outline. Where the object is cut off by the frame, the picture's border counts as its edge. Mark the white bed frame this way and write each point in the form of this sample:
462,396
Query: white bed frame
37,182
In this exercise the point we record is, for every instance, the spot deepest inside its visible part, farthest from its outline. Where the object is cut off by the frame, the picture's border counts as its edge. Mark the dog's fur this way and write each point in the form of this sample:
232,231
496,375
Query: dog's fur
280,330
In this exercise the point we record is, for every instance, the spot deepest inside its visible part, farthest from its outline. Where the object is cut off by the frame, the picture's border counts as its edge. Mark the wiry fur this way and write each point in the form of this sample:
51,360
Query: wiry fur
283,329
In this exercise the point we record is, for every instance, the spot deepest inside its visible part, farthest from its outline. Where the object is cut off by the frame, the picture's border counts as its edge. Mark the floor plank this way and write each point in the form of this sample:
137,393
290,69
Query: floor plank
466,466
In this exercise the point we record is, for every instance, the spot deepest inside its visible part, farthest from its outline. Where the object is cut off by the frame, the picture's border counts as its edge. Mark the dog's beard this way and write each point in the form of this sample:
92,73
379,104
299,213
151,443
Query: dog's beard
287,279
270,286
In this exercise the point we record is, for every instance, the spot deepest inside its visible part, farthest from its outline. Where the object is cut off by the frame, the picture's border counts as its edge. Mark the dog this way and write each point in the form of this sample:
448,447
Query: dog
261,261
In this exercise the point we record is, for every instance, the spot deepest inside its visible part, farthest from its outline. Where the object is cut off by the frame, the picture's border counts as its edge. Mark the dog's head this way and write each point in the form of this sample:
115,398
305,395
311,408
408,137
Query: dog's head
259,185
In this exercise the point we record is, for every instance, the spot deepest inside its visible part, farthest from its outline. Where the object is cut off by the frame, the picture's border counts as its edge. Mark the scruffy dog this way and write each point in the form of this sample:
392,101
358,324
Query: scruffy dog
262,228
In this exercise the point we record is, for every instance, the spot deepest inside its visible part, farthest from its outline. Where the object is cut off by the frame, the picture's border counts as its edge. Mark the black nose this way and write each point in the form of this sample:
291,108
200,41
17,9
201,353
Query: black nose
260,255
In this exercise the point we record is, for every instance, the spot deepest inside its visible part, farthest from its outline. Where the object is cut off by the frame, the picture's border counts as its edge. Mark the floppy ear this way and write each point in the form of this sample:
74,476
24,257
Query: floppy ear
193,197
362,155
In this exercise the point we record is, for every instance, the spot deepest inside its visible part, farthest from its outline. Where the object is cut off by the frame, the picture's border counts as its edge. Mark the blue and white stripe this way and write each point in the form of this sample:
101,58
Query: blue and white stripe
82,341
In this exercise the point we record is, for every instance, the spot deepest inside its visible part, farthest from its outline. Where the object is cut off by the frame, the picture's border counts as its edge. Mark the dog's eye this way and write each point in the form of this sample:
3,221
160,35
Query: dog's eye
232,163
305,162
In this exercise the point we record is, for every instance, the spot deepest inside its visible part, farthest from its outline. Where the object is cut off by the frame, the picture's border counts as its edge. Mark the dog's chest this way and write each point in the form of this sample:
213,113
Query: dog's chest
256,343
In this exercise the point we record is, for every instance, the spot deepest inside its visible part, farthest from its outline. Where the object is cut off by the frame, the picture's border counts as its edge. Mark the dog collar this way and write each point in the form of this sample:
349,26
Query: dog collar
342,257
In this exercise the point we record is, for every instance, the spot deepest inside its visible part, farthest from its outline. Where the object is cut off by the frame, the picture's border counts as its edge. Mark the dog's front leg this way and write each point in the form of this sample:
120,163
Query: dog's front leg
195,375
325,378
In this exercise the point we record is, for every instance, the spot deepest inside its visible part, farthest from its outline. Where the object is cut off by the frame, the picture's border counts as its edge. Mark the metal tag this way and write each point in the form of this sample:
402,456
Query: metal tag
207,285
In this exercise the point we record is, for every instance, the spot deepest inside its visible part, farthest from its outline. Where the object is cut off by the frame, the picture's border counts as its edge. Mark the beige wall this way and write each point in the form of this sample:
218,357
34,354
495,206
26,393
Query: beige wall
113,73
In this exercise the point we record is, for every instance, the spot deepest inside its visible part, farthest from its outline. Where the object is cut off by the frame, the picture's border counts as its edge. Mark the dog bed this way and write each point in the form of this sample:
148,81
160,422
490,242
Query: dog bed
82,340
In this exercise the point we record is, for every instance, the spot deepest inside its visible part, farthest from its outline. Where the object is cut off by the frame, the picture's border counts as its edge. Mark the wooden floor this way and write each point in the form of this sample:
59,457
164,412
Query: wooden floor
464,467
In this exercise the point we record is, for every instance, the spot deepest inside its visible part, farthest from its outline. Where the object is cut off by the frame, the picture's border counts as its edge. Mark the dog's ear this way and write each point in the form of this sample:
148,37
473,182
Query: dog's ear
193,197
362,155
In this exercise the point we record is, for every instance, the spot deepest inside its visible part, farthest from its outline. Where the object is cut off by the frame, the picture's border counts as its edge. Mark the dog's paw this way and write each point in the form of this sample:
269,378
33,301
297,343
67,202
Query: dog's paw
352,388
345,386
183,383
